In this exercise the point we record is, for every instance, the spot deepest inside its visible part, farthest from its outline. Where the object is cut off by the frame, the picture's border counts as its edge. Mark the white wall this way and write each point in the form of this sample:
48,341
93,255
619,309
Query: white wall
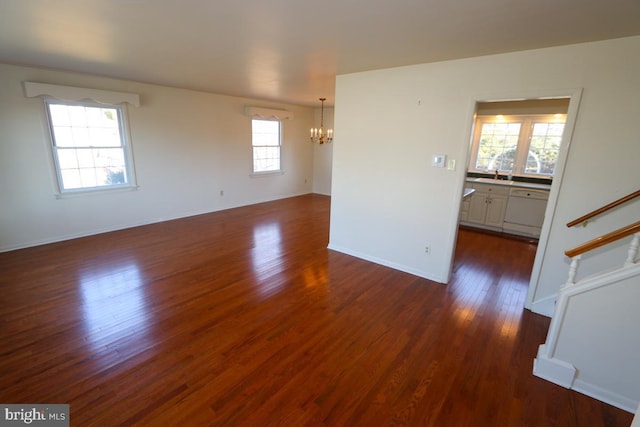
187,147
592,345
388,203
602,164
323,156
605,358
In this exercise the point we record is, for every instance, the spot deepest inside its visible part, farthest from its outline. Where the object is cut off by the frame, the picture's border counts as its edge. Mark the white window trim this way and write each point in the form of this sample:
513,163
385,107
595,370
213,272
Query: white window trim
265,174
522,149
131,184
59,93
280,171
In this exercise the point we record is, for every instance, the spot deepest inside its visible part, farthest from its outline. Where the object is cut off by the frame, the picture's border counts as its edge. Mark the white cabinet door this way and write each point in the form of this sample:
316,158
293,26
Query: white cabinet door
464,210
477,207
487,206
496,207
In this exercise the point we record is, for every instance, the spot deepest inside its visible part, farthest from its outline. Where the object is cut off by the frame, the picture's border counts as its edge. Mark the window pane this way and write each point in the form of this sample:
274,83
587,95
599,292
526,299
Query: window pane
544,148
101,158
265,132
85,158
497,147
105,137
67,159
59,115
78,116
109,117
265,139
115,175
71,179
63,136
94,117
107,157
88,177
525,144
80,137
266,159
556,129
90,146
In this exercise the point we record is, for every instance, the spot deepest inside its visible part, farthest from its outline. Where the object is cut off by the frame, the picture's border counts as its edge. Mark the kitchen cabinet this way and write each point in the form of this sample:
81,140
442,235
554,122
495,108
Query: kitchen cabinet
506,206
487,205
464,210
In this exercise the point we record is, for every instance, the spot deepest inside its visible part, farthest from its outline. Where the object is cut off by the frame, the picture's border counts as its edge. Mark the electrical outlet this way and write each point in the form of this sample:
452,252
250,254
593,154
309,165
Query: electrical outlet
427,249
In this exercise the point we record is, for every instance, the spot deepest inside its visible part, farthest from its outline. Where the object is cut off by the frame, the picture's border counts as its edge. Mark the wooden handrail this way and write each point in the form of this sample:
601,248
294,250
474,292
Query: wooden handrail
604,239
604,208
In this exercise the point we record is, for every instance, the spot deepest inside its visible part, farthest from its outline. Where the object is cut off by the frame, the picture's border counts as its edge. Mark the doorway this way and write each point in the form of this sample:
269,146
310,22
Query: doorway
531,101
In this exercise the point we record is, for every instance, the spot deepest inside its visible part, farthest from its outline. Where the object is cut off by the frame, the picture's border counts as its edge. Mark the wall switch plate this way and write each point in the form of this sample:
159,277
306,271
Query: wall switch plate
438,160
451,165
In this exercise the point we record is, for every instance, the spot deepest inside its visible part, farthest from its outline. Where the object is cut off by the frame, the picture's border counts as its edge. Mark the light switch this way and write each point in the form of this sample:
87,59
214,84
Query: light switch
438,160
451,165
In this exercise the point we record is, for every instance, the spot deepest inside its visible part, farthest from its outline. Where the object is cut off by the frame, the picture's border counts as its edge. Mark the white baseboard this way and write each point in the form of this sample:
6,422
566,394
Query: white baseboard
545,306
605,396
553,370
140,223
564,374
636,419
386,263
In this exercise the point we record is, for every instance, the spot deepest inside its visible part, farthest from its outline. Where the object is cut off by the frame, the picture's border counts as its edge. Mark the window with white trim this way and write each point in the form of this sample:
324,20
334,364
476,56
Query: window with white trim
266,141
90,145
526,145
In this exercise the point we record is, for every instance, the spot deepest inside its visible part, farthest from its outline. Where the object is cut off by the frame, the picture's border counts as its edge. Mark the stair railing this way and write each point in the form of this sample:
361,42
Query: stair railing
583,219
576,253
546,365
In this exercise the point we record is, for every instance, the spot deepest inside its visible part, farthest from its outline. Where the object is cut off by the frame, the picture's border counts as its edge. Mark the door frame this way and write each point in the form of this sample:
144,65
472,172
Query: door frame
574,95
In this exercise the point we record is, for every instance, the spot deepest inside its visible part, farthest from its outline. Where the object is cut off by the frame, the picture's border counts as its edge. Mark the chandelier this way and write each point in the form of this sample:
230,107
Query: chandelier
319,135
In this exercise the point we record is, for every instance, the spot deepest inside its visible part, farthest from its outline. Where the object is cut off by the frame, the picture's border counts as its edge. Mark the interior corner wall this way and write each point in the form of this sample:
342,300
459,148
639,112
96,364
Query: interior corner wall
188,147
323,156
389,203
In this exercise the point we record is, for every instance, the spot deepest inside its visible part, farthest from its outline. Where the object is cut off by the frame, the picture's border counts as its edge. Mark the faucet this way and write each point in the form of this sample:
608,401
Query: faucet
496,177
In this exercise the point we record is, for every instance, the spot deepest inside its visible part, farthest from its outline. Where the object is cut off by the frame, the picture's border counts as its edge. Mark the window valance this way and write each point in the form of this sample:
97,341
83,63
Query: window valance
71,93
268,113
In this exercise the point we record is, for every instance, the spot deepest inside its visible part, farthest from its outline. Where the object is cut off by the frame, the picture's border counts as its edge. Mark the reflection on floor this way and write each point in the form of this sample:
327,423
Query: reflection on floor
245,318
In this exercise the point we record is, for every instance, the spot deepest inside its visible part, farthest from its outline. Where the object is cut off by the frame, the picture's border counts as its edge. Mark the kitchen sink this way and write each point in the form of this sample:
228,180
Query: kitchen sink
493,181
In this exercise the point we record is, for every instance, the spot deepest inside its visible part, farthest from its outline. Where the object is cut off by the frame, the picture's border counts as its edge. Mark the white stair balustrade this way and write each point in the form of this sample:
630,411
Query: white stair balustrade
592,345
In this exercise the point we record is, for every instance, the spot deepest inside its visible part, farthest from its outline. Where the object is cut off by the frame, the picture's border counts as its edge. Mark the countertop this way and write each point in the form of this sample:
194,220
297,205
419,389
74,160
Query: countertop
505,182
467,192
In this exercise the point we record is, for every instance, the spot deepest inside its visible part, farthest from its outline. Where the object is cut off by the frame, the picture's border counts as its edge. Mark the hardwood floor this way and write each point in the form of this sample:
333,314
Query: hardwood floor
244,318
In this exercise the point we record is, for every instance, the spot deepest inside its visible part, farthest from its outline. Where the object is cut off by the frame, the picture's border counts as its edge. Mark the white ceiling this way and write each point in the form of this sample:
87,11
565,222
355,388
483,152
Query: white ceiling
288,50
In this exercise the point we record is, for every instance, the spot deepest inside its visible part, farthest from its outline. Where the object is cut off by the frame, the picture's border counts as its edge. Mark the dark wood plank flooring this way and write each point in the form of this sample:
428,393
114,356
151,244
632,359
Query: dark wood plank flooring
245,318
